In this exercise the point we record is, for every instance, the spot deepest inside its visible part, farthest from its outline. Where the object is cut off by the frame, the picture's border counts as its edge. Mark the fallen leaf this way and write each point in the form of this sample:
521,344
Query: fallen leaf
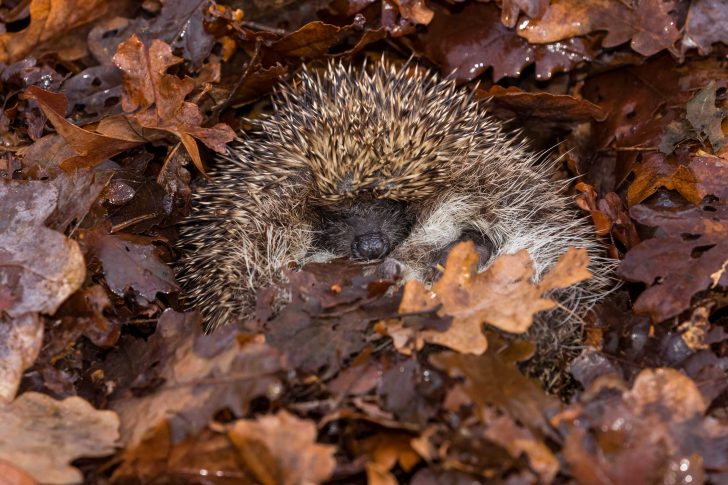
493,378
91,148
157,456
383,451
20,342
503,295
41,265
282,449
518,440
470,40
689,247
130,263
669,388
42,436
50,19
531,8
705,118
616,443
542,105
703,25
184,377
648,24
320,328
156,100
14,476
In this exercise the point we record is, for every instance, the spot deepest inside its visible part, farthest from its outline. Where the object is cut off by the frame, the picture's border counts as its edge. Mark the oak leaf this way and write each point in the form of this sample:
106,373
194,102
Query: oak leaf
504,295
42,436
282,449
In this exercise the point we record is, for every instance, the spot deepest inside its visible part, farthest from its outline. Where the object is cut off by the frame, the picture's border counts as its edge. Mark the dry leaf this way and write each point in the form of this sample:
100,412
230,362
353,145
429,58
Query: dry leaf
282,450
42,436
503,295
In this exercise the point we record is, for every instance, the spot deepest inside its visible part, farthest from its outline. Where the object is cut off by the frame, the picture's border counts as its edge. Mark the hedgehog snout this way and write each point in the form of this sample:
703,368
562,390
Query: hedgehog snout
370,246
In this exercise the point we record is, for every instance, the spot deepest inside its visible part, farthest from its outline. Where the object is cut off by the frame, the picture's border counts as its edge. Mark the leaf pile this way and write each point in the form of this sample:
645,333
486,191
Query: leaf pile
111,113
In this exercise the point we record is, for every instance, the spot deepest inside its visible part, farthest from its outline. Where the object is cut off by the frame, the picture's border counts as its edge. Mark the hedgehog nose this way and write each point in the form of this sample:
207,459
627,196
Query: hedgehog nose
370,246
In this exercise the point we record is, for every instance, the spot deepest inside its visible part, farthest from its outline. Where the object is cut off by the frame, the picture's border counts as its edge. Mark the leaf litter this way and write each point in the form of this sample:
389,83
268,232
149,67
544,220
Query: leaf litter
111,114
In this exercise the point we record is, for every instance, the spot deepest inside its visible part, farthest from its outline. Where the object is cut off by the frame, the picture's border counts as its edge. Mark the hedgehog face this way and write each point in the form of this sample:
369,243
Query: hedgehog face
363,229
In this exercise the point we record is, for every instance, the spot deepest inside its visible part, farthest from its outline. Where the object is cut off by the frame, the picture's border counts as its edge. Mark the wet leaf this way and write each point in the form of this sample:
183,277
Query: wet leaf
689,248
184,377
41,266
42,436
282,449
130,263
466,43
156,99
503,295
51,19
648,24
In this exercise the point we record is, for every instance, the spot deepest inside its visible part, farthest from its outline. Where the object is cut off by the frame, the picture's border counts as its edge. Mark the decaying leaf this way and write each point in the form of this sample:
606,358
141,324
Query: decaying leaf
282,449
42,266
156,100
42,436
20,342
51,19
648,24
130,263
503,295
39,269
690,247
189,376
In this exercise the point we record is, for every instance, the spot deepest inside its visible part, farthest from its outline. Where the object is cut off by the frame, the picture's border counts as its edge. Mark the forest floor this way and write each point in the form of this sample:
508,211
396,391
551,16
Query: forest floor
112,110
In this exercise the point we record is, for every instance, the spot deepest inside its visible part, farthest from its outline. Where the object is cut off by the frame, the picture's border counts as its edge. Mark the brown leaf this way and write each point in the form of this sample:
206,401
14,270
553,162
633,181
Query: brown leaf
184,377
542,105
669,388
91,148
384,451
14,476
512,8
282,449
503,295
158,456
130,263
493,378
328,319
410,391
649,24
20,342
42,435
704,25
156,100
50,19
467,42
705,118
611,433
41,266
689,247
517,440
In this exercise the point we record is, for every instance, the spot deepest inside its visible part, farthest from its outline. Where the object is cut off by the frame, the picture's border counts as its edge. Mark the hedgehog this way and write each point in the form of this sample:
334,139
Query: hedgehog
387,165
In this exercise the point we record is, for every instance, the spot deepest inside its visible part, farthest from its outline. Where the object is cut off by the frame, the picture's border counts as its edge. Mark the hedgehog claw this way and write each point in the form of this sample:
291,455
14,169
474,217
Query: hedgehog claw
390,269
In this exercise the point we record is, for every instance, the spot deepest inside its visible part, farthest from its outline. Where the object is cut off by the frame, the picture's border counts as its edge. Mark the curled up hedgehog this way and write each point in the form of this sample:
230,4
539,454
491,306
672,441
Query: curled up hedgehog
379,164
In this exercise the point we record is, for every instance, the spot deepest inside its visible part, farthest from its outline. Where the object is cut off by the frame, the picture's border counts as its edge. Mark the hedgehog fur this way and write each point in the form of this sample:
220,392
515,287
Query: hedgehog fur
339,136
